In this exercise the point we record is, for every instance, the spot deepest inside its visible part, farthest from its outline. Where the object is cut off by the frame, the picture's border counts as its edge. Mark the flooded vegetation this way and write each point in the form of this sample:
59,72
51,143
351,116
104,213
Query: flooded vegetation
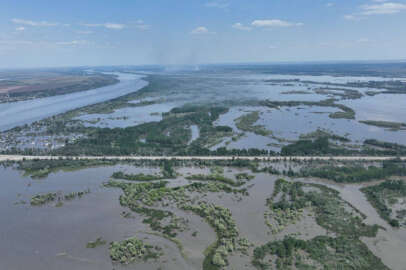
248,107
209,214
203,215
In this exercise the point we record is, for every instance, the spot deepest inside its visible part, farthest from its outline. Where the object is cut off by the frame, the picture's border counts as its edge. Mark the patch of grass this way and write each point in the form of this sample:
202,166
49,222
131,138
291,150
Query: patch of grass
98,242
247,123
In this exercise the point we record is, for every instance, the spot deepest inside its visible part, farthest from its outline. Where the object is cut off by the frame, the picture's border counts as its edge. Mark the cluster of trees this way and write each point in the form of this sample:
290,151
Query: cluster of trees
332,253
356,174
392,148
319,146
378,196
221,220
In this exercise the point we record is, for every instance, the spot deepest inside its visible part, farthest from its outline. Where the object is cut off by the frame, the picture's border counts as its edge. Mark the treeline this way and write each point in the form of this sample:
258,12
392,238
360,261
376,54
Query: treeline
319,146
356,174
393,148
322,146
167,172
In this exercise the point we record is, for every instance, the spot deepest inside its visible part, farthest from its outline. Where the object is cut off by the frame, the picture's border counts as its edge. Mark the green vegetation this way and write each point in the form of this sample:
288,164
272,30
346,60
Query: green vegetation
343,93
244,176
317,143
227,234
345,251
136,177
330,210
98,242
385,124
140,197
131,250
391,148
319,133
42,168
296,92
321,252
356,174
74,195
385,196
346,112
319,146
214,177
246,123
42,199
169,136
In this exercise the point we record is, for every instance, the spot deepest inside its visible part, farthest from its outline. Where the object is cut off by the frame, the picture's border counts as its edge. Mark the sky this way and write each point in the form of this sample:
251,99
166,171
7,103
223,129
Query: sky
53,33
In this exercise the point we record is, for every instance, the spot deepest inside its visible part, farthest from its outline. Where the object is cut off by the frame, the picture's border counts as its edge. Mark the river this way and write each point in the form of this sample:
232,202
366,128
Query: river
15,114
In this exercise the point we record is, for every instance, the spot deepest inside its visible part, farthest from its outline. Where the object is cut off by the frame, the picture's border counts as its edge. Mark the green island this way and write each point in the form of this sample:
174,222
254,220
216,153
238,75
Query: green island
131,250
385,124
247,123
42,199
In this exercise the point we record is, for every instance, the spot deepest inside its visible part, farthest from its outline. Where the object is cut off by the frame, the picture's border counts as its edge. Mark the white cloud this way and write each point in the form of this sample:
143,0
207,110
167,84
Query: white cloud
330,4
200,30
72,43
33,23
274,23
383,8
242,27
84,32
21,28
217,4
114,26
272,47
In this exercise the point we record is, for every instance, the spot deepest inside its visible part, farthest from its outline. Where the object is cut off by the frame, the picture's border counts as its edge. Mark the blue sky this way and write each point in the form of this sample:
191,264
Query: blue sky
100,32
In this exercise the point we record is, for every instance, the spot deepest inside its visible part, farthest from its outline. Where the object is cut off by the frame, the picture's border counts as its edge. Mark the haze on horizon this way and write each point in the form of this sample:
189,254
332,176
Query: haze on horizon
45,33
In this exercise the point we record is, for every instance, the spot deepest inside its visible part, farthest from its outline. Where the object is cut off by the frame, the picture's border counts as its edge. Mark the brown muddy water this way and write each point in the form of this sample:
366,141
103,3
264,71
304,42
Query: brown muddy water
50,237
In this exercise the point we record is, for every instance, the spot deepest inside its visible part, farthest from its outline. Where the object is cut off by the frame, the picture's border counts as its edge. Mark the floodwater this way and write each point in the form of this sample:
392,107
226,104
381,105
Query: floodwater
25,112
50,237
235,89
126,117
390,243
288,123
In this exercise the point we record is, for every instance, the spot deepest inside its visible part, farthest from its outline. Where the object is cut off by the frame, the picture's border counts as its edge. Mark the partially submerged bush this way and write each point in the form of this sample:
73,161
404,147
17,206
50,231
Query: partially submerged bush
42,199
131,250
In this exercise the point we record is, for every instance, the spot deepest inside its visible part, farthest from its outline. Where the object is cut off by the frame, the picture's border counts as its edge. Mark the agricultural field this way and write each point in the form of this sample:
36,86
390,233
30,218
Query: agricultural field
30,84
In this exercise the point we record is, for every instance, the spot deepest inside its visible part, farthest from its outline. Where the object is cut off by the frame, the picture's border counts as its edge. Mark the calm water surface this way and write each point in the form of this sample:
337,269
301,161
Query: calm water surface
25,112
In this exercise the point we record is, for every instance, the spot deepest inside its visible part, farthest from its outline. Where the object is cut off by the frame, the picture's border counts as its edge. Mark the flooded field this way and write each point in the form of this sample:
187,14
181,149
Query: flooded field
289,107
28,241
